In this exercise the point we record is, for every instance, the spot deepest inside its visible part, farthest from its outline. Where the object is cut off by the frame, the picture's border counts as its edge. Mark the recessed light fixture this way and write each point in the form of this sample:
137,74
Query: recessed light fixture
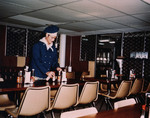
111,41
106,40
101,43
146,1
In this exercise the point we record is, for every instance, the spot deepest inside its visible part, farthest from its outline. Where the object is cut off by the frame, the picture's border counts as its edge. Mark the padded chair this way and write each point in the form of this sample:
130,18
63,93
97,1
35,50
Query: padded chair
89,93
70,75
35,100
136,89
5,102
66,97
121,93
103,87
147,89
143,91
79,113
124,103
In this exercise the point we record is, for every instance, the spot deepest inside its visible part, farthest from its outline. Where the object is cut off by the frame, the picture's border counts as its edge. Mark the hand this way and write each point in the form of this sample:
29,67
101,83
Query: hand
50,74
58,69
33,79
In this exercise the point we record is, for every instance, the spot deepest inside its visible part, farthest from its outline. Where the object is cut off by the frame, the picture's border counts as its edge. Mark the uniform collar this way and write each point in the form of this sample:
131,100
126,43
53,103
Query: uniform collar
48,46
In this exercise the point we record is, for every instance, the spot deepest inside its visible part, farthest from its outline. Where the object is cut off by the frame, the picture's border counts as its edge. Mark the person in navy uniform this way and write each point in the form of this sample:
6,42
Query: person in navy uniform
44,54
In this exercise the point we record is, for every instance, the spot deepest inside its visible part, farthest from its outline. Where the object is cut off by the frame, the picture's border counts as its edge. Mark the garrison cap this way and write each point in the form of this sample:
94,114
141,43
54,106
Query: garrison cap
51,29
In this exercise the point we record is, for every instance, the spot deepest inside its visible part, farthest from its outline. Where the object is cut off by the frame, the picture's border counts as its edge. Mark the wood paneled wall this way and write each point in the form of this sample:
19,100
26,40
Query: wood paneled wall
77,65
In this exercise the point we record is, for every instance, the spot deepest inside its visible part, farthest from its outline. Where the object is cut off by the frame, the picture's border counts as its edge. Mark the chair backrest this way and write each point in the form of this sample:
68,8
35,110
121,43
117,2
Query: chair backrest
148,88
4,99
70,75
5,102
66,96
124,103
136,87
34,101
103,87
123,89
78,113
89,93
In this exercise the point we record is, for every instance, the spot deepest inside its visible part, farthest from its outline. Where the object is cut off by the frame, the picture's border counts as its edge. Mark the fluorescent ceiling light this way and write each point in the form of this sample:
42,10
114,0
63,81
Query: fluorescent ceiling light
101,43
106,40
146,1
112,42
85,39
33,20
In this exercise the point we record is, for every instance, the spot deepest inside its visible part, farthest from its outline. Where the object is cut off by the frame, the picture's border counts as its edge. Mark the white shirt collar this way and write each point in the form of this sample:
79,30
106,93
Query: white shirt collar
48,46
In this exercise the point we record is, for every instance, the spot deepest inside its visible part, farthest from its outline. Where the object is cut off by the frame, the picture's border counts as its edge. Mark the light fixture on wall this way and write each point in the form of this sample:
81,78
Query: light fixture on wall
104,40
112,42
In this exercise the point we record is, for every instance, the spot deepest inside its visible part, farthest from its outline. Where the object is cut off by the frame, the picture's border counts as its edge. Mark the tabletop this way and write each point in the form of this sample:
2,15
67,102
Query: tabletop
9,86
132,111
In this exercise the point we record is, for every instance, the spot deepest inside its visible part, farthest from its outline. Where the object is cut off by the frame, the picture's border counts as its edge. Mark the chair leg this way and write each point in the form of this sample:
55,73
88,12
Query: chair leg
8,116
110,104
136,100
107,104
52,114
101,104
93,104
44,115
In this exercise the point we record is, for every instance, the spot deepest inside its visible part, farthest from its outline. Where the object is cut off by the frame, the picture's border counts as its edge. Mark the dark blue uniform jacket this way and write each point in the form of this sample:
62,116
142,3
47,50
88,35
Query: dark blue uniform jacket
43,60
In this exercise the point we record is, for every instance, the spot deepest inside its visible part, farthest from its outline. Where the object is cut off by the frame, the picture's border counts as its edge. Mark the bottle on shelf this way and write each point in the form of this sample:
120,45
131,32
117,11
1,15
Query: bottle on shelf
20,77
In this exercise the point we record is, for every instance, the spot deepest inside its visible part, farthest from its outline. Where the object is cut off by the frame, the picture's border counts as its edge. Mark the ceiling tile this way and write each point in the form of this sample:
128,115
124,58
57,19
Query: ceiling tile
126,6
46,16
11,9
105,23
59,2
128,20
69,27
67,14
18,22
93,9
144,16
85,26
32,4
